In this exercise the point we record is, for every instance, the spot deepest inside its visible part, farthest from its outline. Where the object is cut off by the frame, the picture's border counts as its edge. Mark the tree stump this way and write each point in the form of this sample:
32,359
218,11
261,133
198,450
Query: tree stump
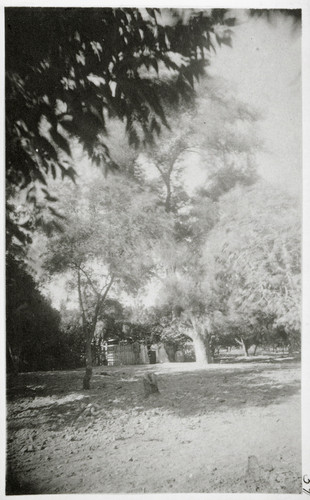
150,384
87,378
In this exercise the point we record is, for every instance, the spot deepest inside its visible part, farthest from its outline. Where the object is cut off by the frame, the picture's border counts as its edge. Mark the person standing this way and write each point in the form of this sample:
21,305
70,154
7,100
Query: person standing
162,354
143,358
154,348
136,351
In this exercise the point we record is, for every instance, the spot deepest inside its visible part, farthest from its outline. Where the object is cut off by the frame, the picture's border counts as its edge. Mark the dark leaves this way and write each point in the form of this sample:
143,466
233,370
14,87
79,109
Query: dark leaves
115,44
231,21
55,213
269,13
61,142
45,149
51,54
152,12
69,172
37,175
48,196
226,41
53,170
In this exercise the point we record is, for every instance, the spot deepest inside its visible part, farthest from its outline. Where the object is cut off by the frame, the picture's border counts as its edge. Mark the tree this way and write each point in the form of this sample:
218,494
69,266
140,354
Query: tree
255,252
108,242
229,158
96,63
227,145
186,289
215,130
237,280
270,14
33,325
191,297
73,341
122,61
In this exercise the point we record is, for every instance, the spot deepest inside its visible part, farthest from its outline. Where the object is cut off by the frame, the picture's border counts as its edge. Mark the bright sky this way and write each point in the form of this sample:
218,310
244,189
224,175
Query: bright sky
264,67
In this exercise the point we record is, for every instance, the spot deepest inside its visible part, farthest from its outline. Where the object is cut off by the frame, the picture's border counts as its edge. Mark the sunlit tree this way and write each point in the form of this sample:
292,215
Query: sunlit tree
255,252
107,242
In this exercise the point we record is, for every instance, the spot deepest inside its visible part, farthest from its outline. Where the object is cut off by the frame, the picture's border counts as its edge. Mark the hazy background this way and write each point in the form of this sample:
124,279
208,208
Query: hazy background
264,68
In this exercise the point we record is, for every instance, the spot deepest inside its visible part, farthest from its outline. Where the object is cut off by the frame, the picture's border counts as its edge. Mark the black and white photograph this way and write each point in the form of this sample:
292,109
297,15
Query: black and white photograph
154,250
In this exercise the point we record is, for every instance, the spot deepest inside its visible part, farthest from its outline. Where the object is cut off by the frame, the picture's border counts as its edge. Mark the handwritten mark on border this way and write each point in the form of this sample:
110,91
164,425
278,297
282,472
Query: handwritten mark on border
306,484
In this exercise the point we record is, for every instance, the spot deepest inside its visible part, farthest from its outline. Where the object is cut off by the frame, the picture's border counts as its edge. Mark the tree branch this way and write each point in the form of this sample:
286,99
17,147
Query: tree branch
100,301
193,321
81,302
90,281
108,288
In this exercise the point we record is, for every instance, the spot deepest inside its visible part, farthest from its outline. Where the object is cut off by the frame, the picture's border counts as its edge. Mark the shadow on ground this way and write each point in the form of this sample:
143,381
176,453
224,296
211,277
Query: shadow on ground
16,486
54,398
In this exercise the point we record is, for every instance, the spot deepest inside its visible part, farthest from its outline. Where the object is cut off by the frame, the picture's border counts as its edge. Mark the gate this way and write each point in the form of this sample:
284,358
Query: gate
120,355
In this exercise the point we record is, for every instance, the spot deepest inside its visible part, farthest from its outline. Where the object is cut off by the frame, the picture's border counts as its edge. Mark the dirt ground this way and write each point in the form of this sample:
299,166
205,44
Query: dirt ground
228,428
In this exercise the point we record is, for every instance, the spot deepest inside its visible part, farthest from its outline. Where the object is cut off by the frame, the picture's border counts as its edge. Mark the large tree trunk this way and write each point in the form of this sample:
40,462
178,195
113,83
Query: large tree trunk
14,360
168,198
89,328
245,348
200,350
200,340
208,349
89,368
88,339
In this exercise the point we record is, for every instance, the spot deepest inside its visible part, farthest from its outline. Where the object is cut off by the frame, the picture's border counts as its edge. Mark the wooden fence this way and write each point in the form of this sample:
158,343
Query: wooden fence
120,355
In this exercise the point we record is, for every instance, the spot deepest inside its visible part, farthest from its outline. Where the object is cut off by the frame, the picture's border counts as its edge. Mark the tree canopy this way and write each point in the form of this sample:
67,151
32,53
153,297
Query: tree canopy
113,90
29,312
108,241
96,63
254,253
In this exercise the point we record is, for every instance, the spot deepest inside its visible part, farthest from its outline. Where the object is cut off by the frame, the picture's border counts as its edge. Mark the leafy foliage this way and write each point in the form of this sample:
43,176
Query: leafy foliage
34,339
112,221
215,131
95,63
269,14
108,240
255,254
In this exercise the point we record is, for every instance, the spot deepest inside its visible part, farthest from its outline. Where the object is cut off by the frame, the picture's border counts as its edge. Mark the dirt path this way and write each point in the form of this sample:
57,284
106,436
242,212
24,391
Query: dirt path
230,428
